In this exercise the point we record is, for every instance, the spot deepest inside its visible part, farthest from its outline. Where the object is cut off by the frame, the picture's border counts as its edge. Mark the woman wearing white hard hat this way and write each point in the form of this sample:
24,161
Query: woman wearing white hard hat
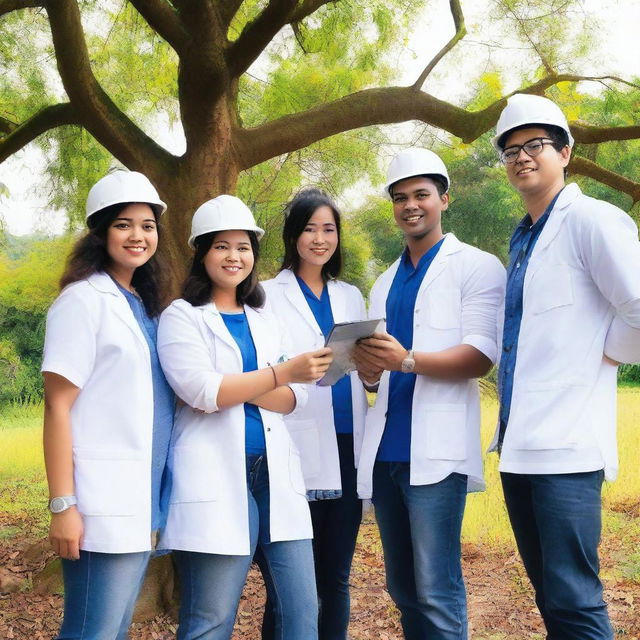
108,409
237,476
308,298
421,452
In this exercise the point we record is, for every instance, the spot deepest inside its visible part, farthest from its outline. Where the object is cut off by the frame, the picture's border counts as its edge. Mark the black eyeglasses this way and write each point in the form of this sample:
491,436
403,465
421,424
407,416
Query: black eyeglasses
531,147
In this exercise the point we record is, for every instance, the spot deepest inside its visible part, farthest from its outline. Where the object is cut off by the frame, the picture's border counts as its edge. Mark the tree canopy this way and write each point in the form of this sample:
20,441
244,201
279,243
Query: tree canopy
253,83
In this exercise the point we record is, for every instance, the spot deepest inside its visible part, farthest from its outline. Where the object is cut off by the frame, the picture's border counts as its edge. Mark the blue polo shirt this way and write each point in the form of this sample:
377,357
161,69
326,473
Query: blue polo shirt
341,390
395,445
523,241
163,410
253,427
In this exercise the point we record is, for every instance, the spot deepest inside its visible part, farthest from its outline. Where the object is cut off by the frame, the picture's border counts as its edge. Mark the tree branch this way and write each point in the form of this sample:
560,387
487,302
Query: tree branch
258,33
99,115
588,134
7,6
361,109
590,169
164,20
461,32
46,119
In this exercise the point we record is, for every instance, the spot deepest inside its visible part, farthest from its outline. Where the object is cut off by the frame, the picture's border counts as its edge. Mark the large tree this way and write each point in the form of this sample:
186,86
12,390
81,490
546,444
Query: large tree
212,44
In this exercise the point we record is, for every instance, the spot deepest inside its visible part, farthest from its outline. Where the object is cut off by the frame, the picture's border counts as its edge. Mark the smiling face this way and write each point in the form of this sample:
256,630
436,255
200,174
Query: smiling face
319,238
417,207
230,260
132,238
540,175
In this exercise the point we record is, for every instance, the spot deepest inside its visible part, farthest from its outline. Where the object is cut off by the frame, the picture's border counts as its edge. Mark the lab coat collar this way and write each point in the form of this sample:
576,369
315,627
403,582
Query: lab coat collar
556,218
450,246
287,279
213,319
103,283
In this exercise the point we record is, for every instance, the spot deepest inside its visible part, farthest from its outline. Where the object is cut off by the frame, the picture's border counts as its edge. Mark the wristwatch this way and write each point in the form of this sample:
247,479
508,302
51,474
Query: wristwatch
408,363
62,503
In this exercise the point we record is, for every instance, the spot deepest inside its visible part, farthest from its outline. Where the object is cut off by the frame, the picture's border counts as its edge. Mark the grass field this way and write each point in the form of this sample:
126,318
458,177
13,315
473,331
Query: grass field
23,489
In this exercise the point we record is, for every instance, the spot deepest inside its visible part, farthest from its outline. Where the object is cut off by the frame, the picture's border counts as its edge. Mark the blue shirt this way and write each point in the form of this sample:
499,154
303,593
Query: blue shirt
341,390
253,428
163,410
523,241
395,445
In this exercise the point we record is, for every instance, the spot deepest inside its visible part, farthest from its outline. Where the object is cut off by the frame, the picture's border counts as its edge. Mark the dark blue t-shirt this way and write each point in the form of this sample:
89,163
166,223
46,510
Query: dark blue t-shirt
395,445
341,390
238,326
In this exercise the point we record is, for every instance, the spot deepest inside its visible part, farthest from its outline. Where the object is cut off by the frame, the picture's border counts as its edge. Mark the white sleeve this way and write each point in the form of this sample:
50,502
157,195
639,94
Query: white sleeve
71,337
482,299
611,253
186,360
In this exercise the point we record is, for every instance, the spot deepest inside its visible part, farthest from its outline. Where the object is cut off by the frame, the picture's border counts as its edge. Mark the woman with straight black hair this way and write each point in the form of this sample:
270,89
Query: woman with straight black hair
108,409
237,477
308,298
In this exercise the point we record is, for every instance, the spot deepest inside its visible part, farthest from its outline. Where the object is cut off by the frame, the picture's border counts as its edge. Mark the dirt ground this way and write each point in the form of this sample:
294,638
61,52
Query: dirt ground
501,605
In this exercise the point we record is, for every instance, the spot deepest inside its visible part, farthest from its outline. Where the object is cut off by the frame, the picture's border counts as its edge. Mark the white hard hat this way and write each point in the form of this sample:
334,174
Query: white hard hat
415,162
120,187
223,214
523,109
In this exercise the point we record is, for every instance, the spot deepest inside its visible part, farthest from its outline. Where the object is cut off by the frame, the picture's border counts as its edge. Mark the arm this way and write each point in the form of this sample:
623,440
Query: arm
189,368
482,295
66,529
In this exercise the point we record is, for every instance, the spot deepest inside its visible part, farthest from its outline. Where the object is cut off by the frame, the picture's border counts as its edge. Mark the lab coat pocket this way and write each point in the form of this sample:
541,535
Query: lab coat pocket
194,475
444,309
305,436
550,416
553,288
108,481
295,472
443,434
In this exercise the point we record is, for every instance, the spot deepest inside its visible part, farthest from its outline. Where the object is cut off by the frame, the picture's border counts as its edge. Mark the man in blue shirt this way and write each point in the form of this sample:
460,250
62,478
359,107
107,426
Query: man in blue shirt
421,447
572,307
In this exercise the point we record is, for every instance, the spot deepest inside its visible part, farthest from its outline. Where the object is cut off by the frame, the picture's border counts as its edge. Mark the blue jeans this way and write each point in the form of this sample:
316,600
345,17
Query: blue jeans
556,519
211,584
420,532
100,592
335,530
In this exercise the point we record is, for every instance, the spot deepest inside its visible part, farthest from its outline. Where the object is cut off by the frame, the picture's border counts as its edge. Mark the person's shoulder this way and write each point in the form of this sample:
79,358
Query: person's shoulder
179,307
588,211
474,254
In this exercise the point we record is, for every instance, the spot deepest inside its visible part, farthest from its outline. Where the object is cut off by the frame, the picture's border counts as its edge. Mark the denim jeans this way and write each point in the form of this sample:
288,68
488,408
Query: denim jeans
100,592
335,529
420,532
211,584
556,519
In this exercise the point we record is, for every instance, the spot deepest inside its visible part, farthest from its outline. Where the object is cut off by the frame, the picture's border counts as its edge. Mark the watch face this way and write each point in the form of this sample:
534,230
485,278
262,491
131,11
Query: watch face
57,505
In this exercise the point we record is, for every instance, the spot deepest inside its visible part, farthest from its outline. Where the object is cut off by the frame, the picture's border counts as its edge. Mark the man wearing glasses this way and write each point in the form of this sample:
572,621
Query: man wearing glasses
572,313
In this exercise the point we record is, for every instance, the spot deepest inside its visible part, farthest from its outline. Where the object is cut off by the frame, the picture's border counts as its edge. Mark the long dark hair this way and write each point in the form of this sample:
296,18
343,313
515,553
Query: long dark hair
198,288
298,212
89,255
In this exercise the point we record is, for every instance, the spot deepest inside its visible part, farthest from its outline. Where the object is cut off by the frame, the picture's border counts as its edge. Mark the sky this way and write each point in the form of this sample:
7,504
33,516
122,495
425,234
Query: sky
24,212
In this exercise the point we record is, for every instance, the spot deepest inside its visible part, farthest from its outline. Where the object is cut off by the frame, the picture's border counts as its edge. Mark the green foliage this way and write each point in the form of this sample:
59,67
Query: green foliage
28,285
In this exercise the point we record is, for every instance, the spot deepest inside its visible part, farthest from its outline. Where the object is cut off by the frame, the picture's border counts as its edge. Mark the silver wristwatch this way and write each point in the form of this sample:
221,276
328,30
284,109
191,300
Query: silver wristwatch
62,503
408,363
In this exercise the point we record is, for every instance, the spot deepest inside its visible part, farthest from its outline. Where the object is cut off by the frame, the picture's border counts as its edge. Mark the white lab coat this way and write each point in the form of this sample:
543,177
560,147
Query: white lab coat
313,429
94,341
208,508
582,285
458,302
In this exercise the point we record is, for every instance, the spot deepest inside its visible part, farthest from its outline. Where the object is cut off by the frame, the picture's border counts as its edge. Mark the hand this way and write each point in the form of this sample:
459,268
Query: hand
65,533
368,373
378,352
306,367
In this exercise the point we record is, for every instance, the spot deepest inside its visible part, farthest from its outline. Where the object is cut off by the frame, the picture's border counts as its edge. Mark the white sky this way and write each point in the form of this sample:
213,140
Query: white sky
23,211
